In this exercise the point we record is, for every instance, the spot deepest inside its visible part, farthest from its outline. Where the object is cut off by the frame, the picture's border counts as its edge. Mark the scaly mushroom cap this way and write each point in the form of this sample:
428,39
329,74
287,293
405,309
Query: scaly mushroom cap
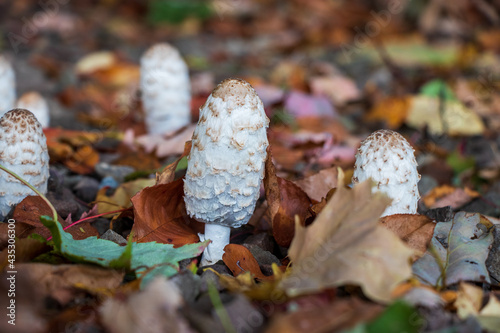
35,102
387,158
165,89
23,150
7,86
226,162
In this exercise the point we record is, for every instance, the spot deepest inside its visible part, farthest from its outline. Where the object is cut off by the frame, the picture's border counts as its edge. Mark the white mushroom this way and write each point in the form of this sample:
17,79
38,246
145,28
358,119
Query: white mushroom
387,158
7,86
35,102
23,150
165,89
226,163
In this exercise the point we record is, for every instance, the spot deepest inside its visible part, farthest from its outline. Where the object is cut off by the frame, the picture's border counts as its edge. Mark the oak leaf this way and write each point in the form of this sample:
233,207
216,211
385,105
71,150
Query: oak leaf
345,245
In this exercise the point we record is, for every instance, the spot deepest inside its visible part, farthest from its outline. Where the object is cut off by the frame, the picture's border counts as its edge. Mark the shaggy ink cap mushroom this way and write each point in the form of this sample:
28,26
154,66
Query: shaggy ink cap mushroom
387,158
7,86
166,89
23,150
226,162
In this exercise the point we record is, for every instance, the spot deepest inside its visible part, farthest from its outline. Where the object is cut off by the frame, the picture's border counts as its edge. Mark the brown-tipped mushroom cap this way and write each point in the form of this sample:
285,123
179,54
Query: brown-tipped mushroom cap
23,149
387,158
226,162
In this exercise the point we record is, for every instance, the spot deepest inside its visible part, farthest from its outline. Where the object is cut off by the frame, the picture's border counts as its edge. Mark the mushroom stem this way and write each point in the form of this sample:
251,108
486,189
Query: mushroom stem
219,235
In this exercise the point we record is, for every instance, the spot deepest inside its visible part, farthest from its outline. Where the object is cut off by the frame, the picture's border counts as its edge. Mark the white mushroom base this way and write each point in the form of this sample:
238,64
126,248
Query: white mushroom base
219,235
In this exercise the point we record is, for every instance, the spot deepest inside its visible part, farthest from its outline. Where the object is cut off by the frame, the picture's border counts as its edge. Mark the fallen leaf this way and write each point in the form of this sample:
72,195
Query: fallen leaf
168,173
285,200
458,252
166,145
489,316
160,215
153,310
413,229
26,250
83,160
95,61
454,119
446,195
269,94
318,185
469,300
301,105
338,88
334,317
289,74
392,111
345,245
240,260
146,259
120,199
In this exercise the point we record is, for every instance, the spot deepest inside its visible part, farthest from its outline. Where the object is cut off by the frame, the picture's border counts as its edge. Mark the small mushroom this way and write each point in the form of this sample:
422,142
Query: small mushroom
165,89
226,163
7,86
387,158
35,102
23,150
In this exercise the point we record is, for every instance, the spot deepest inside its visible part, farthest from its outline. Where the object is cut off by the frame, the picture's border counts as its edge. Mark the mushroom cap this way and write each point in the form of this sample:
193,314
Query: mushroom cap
165,89
7,86
23,149
35,102
387,158
226,162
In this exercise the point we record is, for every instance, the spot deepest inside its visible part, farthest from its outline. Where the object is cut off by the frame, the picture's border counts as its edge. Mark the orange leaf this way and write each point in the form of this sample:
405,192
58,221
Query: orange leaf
285,200
392,111
160,215
240,260
83,160
413,229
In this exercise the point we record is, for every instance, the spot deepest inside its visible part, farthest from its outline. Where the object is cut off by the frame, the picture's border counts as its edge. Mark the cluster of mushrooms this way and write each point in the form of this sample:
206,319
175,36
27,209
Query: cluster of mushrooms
226,162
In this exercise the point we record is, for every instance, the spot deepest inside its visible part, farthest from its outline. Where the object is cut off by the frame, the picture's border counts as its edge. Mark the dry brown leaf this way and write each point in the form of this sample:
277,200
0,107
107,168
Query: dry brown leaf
413,229
285,200
446,195
28,212
160,215
240,260
334,317
120,199
153,310
345,245
318,185
168,173
26,250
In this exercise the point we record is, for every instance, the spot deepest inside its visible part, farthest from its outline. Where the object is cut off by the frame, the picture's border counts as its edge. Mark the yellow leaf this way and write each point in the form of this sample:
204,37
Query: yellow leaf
345,245
453,119
469,298
121,198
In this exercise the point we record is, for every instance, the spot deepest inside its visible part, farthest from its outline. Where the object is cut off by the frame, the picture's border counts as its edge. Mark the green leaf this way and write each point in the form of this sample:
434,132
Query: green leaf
182,165
176,11
460,163
439,89
398,317
135,256
458,251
